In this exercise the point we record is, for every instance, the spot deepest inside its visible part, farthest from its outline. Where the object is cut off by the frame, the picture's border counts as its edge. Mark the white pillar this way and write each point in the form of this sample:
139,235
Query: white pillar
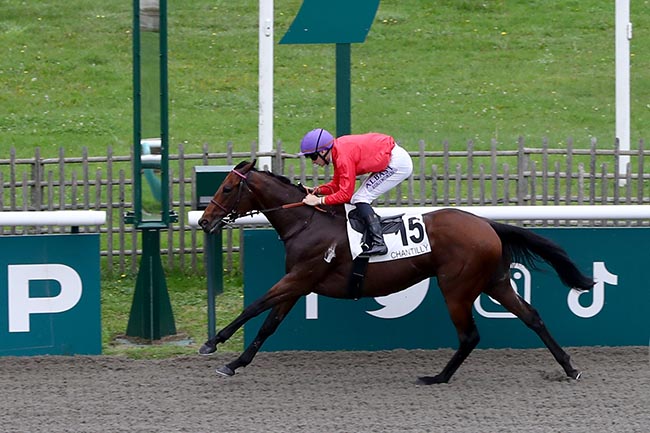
265,50
623,32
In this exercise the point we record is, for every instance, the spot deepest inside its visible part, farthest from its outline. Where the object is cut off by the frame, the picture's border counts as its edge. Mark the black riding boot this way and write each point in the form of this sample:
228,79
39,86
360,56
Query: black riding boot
376,246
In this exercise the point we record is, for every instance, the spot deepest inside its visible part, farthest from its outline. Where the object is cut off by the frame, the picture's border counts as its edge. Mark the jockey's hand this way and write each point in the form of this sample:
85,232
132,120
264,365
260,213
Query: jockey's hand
311,200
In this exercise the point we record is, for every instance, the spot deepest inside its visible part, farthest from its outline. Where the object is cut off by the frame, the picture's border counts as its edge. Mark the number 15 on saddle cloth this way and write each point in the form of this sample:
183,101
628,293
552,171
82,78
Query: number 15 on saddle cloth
405,236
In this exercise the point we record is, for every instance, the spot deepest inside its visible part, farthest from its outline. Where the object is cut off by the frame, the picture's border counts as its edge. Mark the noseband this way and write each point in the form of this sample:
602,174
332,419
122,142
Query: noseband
232,214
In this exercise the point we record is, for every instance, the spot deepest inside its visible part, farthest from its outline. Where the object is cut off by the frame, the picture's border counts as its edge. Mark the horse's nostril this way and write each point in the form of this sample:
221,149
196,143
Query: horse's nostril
203,222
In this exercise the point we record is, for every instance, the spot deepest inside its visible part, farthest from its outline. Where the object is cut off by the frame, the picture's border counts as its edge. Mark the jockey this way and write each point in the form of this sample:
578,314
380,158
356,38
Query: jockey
375,154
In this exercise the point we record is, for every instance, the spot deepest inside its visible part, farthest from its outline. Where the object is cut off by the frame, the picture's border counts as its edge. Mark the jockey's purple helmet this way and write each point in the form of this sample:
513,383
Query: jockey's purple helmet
316,140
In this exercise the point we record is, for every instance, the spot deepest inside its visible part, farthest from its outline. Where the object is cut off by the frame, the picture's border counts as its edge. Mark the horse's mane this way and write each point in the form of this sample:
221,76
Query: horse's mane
338,209
281,178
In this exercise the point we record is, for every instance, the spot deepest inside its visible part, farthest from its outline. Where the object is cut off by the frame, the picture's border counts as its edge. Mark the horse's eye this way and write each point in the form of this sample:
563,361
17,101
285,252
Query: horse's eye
227,189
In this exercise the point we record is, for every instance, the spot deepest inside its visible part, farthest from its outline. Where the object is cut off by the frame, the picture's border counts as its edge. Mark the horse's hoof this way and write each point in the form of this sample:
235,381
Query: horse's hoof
207,349
576,375
225,371
430,380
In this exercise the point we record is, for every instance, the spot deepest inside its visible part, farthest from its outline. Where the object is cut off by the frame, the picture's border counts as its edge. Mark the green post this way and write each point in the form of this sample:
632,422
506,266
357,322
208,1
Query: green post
214,268
151,314
343,90
207,180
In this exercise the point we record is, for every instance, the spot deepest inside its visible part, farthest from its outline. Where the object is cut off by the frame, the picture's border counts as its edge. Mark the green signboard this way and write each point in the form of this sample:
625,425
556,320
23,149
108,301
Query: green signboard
49,295
339,22
615,313
331,22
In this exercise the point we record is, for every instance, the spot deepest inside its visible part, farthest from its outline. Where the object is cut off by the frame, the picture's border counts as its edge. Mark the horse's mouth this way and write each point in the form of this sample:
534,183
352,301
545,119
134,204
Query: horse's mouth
217,226
213,226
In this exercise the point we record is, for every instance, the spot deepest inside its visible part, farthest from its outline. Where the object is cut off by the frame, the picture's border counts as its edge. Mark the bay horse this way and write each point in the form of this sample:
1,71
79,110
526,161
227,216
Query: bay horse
469,255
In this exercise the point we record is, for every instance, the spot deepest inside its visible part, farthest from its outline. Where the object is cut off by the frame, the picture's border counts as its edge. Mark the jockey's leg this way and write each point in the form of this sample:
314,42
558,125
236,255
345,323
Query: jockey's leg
399,168
377,246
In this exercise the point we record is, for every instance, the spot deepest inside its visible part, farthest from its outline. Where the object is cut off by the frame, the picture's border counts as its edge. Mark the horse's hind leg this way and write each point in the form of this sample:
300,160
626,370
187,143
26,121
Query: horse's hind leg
468,338
511,301
271,323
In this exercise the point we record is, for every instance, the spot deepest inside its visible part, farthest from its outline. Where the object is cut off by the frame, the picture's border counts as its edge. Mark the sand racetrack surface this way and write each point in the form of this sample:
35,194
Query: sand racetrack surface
493,391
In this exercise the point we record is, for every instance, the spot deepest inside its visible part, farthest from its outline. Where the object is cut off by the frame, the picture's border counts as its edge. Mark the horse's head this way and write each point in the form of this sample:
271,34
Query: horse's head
232,200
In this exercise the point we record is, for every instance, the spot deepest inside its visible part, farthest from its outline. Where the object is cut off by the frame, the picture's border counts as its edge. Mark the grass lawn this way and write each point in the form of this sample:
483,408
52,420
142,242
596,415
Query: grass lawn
433,71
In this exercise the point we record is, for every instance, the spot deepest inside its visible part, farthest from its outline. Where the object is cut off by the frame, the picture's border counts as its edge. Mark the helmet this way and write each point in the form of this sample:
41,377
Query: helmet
316,140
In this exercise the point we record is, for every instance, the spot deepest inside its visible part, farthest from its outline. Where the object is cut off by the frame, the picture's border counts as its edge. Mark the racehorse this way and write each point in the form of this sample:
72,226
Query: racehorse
469,255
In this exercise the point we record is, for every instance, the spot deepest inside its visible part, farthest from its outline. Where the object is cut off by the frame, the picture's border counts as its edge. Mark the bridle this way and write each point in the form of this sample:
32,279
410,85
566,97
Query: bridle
232,214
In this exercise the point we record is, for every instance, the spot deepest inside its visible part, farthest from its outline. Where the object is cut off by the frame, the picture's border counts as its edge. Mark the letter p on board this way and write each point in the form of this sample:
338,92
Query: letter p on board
21,305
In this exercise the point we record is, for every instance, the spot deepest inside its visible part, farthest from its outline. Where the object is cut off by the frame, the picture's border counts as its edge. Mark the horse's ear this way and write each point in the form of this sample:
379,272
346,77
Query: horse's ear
251,165
241,165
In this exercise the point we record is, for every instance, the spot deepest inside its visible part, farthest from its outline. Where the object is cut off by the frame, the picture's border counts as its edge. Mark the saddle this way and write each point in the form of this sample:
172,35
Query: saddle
389,224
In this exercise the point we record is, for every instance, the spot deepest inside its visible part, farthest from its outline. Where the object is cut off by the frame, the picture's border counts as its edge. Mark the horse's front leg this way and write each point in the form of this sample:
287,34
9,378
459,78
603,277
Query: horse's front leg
254,309
280,292
271,323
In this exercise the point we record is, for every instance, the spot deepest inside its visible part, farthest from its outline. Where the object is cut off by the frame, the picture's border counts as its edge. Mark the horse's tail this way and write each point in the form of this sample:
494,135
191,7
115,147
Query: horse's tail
525,247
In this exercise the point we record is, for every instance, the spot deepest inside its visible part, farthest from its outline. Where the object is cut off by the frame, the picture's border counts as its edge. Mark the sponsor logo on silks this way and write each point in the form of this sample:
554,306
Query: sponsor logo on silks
378,178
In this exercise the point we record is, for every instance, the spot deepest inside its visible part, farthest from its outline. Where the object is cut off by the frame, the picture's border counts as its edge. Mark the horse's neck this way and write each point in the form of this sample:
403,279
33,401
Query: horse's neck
271,195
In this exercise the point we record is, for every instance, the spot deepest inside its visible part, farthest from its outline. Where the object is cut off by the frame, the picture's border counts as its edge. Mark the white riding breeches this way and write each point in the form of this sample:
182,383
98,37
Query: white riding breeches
399,168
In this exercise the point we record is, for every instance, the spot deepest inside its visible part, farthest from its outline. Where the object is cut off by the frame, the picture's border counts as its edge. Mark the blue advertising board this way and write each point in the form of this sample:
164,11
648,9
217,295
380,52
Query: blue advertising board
50,295
615,313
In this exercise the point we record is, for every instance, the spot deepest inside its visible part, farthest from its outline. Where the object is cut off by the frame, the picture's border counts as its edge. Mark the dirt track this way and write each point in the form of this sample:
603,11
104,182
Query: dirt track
495,390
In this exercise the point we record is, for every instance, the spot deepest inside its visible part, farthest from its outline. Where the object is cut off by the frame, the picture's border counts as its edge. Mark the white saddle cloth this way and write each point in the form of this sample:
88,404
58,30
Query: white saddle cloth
410,240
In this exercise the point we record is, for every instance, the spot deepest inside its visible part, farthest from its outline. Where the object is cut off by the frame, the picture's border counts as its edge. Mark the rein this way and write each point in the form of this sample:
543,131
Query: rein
232,215
291,206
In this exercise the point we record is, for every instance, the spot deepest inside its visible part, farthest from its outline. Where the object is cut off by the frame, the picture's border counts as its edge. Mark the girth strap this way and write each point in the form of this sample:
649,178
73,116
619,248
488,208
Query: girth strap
358,275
